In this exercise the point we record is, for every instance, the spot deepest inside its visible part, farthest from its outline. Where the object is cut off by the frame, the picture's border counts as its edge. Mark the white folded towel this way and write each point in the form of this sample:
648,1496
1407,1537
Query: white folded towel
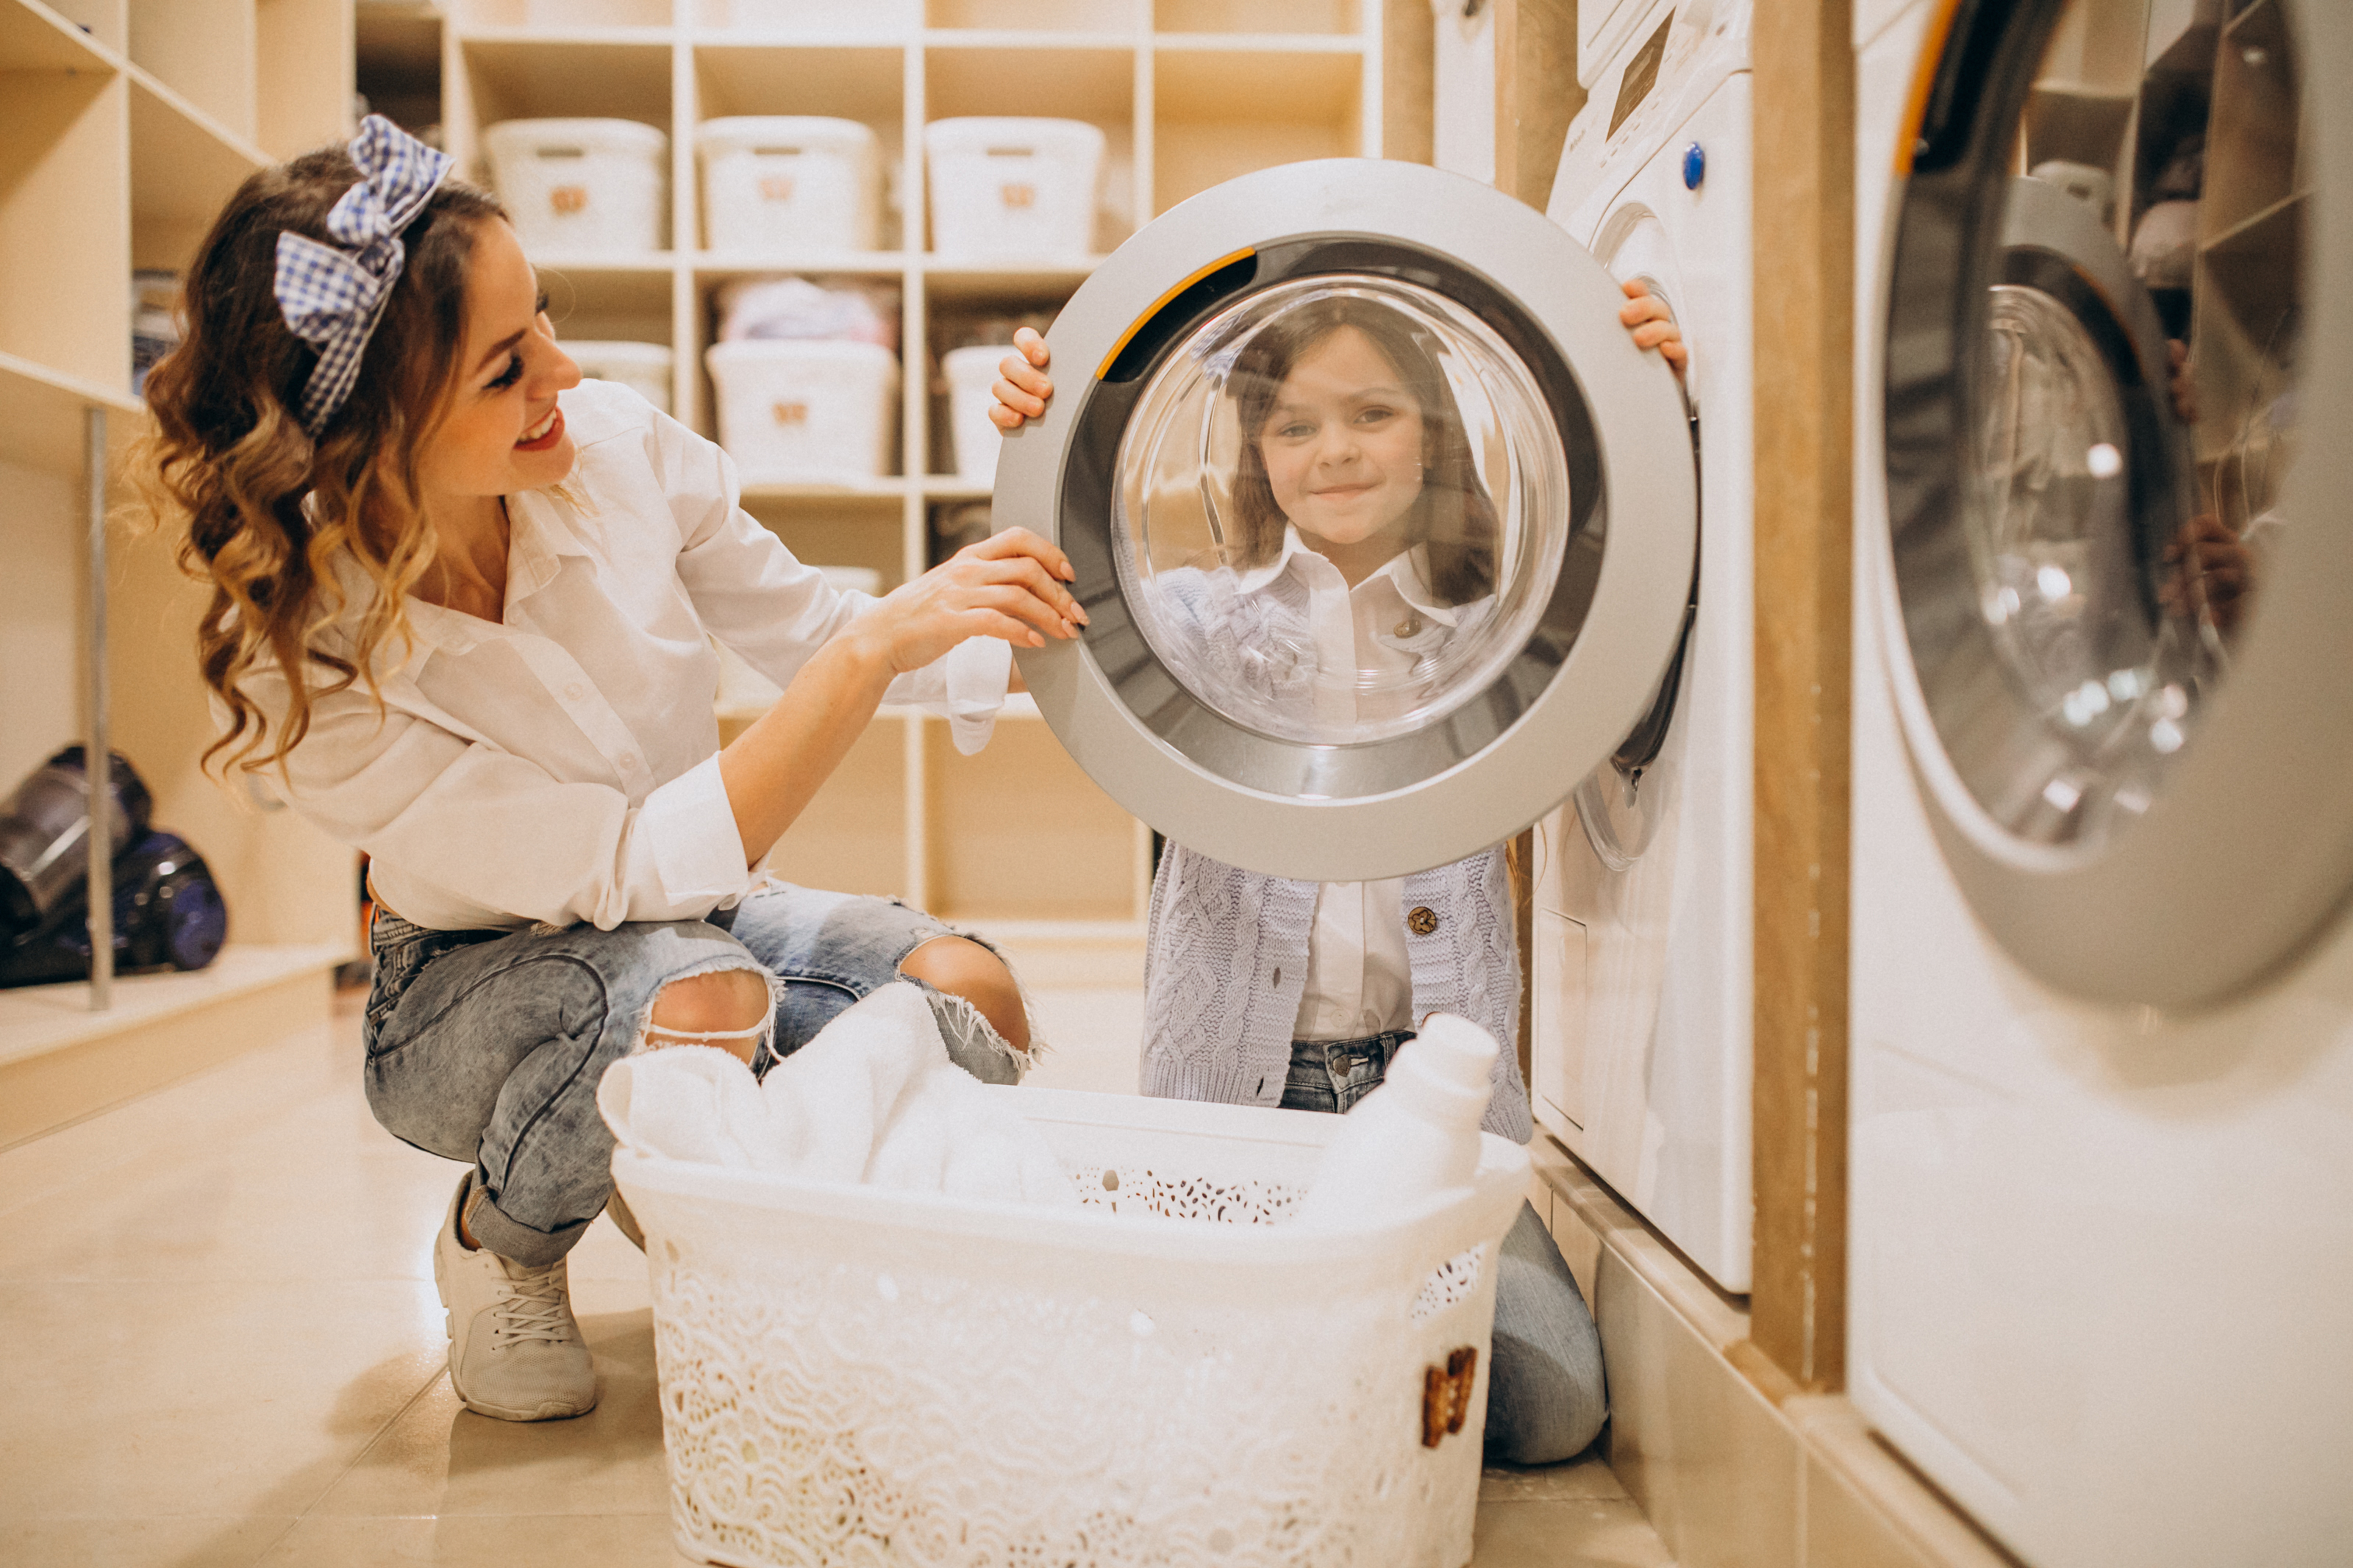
874,1099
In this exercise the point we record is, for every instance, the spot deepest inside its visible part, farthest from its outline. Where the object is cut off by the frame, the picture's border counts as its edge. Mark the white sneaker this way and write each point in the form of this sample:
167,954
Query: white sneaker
515,1351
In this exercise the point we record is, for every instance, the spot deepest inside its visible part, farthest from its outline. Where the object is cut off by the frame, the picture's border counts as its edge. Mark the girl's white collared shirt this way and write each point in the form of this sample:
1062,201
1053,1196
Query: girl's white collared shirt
1359,978
563,765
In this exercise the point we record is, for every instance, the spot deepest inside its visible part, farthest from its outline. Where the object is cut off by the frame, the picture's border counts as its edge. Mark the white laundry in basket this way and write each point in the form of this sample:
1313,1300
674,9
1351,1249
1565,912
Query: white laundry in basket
1171,1374
872,1099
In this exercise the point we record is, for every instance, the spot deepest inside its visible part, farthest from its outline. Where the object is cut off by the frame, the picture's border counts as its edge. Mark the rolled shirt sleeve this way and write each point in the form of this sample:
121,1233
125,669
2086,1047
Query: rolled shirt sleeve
773,610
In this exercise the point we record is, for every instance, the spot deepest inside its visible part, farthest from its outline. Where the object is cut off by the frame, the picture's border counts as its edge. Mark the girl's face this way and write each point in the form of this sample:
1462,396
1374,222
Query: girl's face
1343,444
502,432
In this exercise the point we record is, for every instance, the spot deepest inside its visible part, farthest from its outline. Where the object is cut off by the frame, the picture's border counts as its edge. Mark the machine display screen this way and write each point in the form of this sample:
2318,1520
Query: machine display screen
1641,74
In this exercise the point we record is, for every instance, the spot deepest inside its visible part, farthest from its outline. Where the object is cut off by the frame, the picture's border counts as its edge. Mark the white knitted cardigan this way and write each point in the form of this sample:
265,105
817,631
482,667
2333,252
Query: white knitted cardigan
1226,961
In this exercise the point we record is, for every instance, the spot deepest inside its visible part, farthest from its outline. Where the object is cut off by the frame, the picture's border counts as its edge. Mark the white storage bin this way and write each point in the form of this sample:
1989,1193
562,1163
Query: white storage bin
1013,187
970,373
856,1374
789,182
806,411
643,368
584,187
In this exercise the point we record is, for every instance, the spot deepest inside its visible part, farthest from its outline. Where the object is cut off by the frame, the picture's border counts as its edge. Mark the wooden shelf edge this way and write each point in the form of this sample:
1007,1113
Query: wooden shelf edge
34,37
535,37
737,262
41,415
1023,38
784,39
867,490
144,80
36,1020
1257,43
2252,221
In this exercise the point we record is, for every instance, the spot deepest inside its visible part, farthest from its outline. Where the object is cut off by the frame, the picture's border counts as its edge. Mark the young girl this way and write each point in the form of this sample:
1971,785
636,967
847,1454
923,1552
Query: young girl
1364,539
460,614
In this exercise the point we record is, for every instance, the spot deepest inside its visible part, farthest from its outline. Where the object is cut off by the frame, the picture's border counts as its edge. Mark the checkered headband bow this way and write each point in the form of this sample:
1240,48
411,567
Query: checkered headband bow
332,295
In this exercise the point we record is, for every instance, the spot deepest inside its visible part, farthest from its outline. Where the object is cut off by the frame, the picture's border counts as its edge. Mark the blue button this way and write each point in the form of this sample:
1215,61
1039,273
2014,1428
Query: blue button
1695,166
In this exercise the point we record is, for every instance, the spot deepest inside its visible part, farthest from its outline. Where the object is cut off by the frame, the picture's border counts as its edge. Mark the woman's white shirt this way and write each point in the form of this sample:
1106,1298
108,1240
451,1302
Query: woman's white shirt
563,765
1359,978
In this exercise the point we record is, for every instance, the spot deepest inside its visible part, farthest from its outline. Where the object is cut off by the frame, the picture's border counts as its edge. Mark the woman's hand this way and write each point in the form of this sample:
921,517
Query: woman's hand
1008,585
1653,328
1023,386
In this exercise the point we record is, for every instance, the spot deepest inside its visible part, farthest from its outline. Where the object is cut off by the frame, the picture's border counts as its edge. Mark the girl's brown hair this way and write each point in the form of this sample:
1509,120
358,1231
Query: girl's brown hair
1455,517
264,511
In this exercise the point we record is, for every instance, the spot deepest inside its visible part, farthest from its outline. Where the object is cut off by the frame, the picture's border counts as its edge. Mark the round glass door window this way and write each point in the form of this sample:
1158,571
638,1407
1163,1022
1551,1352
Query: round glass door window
2079,561
1342,509
1384,526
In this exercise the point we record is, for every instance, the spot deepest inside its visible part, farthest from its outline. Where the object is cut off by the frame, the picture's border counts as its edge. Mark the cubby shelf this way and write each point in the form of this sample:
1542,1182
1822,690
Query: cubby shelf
124,126
42,413
1187,92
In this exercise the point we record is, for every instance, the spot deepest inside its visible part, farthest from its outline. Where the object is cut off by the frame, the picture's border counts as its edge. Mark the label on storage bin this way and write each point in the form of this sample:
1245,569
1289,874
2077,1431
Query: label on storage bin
568,199
775,187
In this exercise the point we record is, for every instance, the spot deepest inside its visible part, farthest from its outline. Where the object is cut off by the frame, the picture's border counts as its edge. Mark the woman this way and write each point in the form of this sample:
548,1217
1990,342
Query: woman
461,611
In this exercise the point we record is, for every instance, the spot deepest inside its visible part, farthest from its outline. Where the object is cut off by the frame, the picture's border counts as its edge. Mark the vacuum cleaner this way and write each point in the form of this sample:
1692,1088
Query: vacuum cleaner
168,913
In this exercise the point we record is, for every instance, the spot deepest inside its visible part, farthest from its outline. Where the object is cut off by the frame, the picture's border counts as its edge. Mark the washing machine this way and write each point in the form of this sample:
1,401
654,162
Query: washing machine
1640,1039
1544,515
2101,1154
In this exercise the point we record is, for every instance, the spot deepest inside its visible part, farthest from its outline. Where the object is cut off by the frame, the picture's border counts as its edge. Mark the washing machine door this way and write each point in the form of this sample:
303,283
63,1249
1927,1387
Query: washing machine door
2120,589
1383,525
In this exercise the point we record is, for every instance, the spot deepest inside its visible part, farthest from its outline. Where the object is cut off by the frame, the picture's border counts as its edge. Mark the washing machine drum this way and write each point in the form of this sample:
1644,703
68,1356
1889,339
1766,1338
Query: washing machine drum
1383,525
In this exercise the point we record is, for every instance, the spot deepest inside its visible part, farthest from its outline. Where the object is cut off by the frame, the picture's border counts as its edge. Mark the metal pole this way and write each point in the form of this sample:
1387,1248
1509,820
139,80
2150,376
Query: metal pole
99,840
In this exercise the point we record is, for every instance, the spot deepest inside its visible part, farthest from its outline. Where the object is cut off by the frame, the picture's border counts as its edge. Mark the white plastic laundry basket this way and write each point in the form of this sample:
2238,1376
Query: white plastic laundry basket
795,411
970,373
1013,187
1168,1374
583,187
778,182
643,368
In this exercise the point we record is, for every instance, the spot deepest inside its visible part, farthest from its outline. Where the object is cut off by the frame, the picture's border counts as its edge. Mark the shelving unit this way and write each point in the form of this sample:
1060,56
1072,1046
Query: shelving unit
1187,92
124,125
2251,231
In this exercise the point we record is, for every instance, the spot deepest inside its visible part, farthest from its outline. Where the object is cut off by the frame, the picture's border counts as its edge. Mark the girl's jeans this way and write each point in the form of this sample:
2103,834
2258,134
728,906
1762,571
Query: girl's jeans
1545,1396
487,1046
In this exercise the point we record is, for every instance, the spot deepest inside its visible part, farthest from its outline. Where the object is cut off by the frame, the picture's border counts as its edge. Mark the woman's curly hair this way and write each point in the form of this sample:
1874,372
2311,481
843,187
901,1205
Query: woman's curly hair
263,512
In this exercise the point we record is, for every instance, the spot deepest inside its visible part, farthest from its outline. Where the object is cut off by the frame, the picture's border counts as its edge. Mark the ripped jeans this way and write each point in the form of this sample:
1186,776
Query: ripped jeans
487,1046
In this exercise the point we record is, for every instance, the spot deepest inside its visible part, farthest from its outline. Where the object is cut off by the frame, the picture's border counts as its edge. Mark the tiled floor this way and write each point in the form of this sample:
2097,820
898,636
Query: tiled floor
220,1345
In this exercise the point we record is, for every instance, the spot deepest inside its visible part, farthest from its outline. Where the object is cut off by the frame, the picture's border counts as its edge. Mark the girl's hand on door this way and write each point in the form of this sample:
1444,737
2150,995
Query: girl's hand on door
1022,386
1646,316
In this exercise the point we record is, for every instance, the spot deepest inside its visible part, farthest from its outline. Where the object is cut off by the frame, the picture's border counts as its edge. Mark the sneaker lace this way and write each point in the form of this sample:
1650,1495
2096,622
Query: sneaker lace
535,1305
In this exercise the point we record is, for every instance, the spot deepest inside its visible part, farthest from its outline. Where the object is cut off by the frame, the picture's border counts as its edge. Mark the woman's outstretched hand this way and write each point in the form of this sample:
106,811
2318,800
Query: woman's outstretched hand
1008,585
1646,315
1022,385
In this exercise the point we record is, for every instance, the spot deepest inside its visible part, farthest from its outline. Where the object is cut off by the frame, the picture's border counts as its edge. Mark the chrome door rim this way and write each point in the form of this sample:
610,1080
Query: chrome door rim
2246,856
1349,813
